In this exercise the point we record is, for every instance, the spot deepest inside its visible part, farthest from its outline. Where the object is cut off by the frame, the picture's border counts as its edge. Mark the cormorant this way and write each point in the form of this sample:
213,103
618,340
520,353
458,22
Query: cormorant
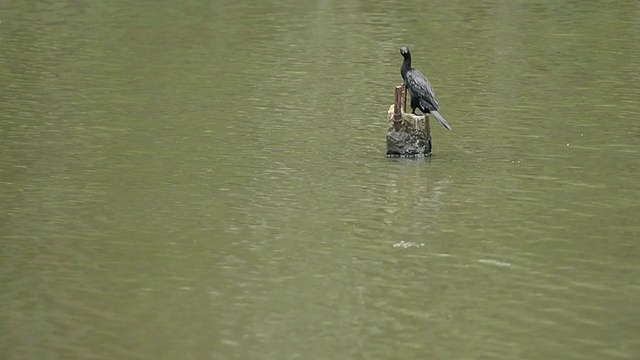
420,90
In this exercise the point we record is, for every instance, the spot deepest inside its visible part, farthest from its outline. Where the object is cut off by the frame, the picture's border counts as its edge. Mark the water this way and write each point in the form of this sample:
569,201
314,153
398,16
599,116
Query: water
208,181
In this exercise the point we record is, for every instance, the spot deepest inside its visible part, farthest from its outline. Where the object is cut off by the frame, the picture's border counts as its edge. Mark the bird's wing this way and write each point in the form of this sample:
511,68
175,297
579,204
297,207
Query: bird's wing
421,87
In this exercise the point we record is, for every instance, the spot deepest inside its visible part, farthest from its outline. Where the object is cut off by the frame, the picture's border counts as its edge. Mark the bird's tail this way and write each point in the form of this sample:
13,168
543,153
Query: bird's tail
441,120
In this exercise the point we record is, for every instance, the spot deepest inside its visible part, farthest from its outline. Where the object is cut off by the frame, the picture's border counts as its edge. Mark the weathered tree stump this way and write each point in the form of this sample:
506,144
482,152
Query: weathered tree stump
408,135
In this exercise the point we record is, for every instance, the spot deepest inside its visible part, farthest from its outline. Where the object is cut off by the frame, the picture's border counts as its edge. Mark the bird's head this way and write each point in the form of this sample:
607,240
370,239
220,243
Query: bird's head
404,51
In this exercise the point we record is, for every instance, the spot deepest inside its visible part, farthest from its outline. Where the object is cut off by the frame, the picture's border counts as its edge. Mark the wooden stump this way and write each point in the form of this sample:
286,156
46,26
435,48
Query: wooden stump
408,135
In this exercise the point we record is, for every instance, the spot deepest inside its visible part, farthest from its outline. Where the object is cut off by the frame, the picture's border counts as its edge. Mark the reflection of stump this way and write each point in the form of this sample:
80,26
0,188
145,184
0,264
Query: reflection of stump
407,134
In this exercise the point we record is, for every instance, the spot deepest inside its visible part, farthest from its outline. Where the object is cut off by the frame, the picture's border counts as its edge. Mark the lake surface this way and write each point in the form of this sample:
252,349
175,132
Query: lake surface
208,180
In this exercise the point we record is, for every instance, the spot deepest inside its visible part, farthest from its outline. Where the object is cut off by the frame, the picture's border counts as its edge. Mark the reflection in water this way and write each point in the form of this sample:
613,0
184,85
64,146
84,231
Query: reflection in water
208,180
414,197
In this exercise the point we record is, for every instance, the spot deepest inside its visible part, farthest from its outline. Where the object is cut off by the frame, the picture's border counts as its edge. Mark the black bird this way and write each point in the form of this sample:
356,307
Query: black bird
420,90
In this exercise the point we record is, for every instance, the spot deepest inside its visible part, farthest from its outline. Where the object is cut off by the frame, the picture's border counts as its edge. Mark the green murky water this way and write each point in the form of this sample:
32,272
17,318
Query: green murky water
207,180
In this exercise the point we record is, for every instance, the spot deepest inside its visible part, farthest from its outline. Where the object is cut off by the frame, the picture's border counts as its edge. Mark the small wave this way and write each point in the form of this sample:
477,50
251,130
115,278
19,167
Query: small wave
494,262
407,244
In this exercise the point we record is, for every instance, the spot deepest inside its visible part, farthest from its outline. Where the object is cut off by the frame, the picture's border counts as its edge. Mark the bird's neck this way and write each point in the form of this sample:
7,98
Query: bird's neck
406,66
